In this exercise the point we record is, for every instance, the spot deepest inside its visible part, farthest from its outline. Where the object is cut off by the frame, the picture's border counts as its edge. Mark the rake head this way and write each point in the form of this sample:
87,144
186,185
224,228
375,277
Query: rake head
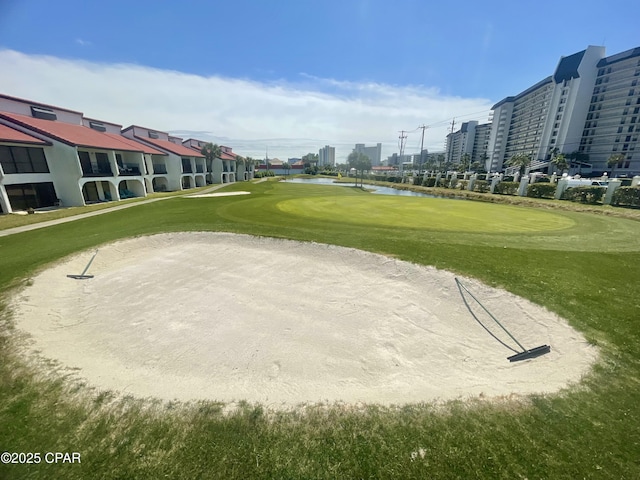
532,353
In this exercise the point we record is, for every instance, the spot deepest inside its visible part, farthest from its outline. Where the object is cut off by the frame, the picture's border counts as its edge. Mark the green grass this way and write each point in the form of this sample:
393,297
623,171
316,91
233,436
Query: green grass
588,271
436,214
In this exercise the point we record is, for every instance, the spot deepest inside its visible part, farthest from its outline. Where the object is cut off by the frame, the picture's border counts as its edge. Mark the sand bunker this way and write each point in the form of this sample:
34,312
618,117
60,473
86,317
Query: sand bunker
231,317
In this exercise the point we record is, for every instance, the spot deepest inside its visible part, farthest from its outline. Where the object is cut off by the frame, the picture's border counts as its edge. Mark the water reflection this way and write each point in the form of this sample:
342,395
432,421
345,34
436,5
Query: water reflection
373,188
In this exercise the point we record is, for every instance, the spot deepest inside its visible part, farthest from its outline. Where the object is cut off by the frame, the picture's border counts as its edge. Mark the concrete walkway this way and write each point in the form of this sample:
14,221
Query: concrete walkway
49,223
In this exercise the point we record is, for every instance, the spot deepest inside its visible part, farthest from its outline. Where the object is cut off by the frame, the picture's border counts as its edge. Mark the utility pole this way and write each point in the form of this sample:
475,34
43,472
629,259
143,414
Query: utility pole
401,139
423,127
453,124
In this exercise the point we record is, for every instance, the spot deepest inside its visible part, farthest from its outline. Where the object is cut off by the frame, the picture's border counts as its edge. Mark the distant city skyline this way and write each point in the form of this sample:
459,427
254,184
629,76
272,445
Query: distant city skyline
258,84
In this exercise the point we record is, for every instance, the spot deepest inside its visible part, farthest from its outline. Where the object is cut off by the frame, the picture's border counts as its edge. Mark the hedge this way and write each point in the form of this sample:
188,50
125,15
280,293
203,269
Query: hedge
541,190
587,194
626,197
481,186
429,182
506,188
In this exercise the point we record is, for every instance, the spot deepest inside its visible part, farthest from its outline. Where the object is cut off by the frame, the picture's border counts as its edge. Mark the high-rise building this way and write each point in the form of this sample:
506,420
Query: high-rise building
588,110
327,156
374,153
471,140
612,124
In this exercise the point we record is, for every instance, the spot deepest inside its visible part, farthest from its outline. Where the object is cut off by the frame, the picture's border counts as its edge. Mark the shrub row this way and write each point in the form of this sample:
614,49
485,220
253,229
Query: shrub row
541,190
588,194
627,197
506,188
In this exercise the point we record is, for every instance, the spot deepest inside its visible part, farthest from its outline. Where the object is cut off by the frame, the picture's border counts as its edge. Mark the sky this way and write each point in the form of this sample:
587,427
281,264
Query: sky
286,77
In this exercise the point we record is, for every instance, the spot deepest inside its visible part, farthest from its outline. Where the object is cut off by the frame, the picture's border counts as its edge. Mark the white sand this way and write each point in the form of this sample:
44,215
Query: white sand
230,317
221,194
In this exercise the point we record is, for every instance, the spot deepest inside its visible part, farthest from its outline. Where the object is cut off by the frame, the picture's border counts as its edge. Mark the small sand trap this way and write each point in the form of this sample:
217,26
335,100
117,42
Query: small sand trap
221,194
231,317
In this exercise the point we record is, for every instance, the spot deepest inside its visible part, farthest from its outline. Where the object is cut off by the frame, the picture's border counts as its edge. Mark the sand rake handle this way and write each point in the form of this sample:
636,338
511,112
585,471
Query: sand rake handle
490,314
83,275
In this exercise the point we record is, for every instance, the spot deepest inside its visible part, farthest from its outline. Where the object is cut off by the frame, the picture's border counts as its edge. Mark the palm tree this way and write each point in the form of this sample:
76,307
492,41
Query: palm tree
211,151
361,162
286,167
613,161
520,160
466,162
249,164
560,161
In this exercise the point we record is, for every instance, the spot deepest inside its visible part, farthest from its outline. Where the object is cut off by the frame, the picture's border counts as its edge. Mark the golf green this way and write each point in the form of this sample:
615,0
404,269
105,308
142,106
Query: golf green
429,213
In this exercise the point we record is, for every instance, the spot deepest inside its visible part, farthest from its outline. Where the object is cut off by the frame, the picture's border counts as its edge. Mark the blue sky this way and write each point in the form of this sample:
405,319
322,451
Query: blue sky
292,76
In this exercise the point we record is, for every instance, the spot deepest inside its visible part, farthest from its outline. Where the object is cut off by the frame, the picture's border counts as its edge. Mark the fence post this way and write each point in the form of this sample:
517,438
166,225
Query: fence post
612,187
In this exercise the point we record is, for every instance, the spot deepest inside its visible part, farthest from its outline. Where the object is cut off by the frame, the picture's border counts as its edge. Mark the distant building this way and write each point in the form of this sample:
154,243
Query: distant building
472,140
374,153
327,156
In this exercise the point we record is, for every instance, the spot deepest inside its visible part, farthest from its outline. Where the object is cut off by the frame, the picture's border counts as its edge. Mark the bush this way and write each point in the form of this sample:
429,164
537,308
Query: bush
462,184
429,182
541,190
543,180
481,186
453,182
626,197
417,181
506,188
588,194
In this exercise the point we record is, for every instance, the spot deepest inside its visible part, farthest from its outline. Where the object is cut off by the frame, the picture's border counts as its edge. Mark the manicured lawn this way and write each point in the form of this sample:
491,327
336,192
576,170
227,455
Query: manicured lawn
583,266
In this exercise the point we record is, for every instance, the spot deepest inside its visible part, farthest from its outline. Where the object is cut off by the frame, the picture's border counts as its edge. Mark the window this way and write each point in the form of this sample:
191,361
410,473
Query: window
153,135
31,195
23,160
97,126
103,163
43,113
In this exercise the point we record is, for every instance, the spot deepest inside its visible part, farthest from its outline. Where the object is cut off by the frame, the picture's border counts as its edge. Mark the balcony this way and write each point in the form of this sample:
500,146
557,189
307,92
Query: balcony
199,169
128,170
159,168
97,172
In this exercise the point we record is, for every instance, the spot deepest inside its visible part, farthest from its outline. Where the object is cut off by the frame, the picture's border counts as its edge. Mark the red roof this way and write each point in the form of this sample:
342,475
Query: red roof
227,156
135,144
76,135
8,134
172,147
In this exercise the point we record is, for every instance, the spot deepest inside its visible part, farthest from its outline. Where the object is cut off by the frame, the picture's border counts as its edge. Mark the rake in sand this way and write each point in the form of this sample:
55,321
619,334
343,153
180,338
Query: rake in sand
83,275
525,353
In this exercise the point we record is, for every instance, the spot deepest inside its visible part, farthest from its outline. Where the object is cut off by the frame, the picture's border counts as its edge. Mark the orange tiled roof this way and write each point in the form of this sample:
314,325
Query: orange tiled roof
77,135
172,147
8,134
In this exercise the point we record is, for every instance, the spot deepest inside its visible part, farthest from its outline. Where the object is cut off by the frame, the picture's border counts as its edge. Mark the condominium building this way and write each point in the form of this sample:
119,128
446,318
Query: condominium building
612,124
469,144
584,110
327,156
374,153
52,156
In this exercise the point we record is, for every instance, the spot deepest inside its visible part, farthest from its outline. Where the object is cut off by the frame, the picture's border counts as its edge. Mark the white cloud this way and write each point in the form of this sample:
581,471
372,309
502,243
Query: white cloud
290,118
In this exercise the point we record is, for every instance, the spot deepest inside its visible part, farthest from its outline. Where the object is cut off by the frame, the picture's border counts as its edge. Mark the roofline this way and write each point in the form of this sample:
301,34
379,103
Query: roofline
62,140
31,102
513,98
158,147
36,129
146,128
102,121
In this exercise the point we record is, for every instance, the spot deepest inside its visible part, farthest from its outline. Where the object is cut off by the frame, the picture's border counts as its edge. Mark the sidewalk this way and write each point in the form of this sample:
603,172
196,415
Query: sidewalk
49,223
